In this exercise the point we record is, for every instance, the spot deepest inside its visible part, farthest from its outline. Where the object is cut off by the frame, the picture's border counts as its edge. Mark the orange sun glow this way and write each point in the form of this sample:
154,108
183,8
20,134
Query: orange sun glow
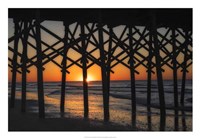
89,78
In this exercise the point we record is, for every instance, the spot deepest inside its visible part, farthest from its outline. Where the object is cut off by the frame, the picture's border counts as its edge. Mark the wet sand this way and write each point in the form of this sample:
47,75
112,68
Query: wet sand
19,121
72,120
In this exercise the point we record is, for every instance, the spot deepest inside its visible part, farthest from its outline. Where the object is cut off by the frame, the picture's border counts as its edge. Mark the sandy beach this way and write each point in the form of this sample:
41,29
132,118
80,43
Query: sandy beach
73,120
19,121
30,121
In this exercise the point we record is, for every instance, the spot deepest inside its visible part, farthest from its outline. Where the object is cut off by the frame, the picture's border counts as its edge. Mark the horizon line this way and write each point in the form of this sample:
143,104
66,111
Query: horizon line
99,80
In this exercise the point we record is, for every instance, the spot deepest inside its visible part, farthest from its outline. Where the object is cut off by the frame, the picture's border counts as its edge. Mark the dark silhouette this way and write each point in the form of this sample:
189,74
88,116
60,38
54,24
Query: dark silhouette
39,67
132,73
182,99
103,71
175,81
84,64
24,62
103,21
64,63
159,74
149,84
14,63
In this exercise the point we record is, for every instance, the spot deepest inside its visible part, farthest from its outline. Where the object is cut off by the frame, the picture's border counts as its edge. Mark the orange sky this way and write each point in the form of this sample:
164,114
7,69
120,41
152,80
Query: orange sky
53,73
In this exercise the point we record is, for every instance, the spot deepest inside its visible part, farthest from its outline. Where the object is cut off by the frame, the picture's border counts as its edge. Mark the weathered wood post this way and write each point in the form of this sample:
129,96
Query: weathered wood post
24,69
174,48
182,98
132,74
159,73
149,82
39,67
14,63
108,64
84,64
103,71
64,63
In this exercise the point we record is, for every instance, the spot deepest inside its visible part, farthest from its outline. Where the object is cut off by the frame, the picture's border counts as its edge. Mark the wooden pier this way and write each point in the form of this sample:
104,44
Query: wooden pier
150,38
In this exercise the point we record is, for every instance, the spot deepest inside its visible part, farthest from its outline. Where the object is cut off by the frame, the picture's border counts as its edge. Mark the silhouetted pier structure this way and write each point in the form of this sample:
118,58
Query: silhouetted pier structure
150,38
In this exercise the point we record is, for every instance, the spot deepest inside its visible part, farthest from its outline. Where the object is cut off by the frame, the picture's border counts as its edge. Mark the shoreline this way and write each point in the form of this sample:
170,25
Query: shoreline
19,121
29,121
120,119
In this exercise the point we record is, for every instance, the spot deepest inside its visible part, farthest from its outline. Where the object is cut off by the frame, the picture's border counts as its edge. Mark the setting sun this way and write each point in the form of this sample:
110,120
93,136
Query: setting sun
90,78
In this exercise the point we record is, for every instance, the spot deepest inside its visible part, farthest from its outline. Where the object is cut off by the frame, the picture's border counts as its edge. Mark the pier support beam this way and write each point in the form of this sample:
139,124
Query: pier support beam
14,63
39,68
84,64
175,80
64,63
182,99
24,69
103,71
132,73
149,84
159,74
109,60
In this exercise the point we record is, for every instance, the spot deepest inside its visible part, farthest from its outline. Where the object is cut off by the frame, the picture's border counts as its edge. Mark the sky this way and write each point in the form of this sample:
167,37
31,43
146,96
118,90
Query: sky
53,73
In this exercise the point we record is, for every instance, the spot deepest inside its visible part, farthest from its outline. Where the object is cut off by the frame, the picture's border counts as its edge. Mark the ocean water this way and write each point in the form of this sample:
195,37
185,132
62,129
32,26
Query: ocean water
120,102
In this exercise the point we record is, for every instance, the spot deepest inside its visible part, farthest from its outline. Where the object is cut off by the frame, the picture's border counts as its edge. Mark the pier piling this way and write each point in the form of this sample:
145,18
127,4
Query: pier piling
140,41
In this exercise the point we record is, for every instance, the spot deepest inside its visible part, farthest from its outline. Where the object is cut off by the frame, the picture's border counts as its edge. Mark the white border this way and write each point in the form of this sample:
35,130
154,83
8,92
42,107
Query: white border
5,4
